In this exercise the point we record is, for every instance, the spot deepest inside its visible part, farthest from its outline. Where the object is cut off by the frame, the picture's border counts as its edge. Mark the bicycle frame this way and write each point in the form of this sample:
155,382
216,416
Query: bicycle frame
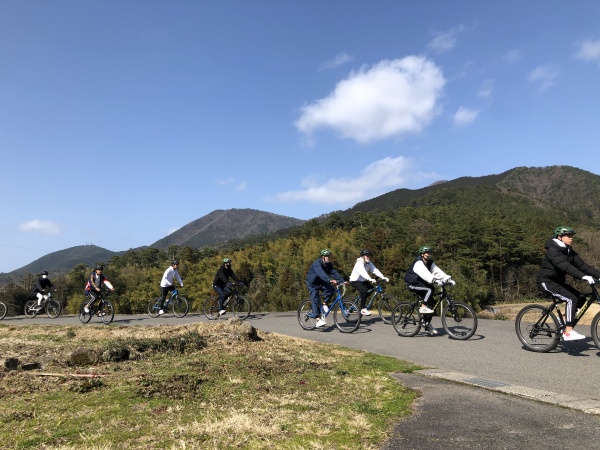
591,297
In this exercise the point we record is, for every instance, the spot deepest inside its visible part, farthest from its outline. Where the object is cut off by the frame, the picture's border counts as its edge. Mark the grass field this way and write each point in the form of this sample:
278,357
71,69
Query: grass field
209,386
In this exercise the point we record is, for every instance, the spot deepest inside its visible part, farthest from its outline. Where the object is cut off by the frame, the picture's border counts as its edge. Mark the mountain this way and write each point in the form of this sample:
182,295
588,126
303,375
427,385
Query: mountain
222,225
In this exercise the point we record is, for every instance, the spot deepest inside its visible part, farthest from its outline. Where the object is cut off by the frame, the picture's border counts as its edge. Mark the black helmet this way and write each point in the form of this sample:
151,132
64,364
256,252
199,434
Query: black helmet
425,249
561,231
45,272
325,252
99,267
365,252
175,261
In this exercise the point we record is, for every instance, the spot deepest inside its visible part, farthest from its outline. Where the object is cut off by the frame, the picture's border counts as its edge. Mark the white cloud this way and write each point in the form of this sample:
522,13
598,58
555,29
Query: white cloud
392,98
446,40
40,226
465,116
545,76
487,90
337,61
589,51
377,178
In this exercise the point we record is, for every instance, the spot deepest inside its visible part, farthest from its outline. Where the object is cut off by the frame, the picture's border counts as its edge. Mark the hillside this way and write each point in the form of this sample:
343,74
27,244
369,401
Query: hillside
222,225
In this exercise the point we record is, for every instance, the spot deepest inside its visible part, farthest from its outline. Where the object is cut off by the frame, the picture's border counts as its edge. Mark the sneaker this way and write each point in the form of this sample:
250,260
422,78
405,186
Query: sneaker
161,312
432,331
325,308
86,310
573,336
425,310
321,323
365,312
222,312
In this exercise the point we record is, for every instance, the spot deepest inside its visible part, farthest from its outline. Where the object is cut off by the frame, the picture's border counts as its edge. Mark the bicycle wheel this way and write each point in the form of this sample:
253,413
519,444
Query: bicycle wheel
537,328
387,303
211,308
241,308
180,306
31,309
83,316
306,318
596,329
347,316
154,307
3,310
406,319
459,320
53,309
106,311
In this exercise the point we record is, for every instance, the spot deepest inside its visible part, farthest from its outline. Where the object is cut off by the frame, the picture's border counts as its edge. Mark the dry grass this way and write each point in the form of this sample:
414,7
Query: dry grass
209,386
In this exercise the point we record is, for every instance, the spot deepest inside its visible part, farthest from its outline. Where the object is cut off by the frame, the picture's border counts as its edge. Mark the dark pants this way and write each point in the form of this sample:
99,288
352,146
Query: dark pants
565,293
363,288
313,290
422,289
223,292
164,292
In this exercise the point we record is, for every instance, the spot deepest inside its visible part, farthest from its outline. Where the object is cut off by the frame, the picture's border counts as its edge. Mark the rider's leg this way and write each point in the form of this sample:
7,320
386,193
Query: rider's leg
564,293
424,291
93,296
363,288
222,297
40,297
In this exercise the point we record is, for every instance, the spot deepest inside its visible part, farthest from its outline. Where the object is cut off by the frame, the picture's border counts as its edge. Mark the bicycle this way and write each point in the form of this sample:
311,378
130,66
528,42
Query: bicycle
102,307
240,305
176,302
3,310
346,314
386,302
458,318
51,306
539,328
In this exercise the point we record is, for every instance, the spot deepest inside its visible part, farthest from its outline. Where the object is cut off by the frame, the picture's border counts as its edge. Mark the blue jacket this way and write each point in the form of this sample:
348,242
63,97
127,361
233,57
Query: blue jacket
322,273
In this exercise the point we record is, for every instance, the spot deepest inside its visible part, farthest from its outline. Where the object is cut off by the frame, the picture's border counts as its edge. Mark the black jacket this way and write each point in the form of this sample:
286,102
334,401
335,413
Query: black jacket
560,261
43,285
222,276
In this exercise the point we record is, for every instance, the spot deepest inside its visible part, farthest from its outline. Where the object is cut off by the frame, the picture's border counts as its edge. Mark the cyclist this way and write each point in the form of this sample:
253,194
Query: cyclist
97,281
560,259
420,279
220,283
322,276
166,284
361,280
42,287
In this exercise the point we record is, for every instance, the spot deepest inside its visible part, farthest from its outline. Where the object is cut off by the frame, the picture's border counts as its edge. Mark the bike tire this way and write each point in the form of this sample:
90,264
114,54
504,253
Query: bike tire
305,315
53,308
106,311
387,303
459,320
347,316
211,308
596,329
83,316
154,307
241,307
3,310
30,309
535,335
406,319
180,306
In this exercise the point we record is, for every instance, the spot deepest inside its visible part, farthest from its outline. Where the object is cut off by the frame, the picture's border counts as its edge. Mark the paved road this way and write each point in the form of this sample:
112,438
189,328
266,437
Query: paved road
493,358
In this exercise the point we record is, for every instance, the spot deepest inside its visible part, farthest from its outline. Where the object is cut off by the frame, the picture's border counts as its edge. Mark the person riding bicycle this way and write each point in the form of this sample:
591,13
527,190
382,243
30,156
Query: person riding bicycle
42,286
560,259
166,283
322,276
420,279
220,283
361,280
97,281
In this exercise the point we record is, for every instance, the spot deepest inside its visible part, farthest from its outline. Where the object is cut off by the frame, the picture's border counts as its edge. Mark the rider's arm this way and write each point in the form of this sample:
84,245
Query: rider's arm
422,272
439,274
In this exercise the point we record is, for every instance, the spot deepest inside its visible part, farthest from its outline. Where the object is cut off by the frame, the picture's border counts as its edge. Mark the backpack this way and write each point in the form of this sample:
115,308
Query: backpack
87,289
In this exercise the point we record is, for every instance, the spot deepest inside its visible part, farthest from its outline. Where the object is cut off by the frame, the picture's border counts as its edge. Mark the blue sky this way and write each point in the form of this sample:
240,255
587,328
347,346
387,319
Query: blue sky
121,121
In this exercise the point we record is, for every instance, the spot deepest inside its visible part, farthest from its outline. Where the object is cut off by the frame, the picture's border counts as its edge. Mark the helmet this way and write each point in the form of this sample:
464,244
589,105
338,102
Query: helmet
45,272
561,231
175,261
325,252
425,249
226,260
99,267
365,252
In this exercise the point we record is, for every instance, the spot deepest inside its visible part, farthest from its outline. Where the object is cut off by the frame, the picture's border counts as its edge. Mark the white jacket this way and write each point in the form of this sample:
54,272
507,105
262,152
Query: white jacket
361,270
167,279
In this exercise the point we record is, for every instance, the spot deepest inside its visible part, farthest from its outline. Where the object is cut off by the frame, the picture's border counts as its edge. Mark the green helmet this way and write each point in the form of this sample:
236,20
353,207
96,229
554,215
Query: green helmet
561,231
425,249
325,252
226,260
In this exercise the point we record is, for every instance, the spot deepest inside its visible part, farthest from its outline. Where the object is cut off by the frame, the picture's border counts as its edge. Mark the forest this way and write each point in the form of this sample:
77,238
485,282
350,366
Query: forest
489,241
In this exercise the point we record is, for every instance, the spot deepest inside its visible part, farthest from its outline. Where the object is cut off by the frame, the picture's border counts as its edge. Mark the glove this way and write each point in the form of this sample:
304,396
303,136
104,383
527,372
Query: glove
182,285
589,279
451,281
386,279
372,280
439,282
